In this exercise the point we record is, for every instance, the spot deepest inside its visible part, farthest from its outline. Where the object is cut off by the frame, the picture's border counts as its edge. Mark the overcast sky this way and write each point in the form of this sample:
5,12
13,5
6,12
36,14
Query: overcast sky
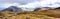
29,3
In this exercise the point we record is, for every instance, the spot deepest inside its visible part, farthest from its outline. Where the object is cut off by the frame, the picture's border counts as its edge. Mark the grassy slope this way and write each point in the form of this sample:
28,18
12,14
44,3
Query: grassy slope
32,14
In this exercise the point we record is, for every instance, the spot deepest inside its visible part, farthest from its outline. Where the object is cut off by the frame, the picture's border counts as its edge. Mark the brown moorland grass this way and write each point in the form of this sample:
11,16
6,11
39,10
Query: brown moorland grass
50,14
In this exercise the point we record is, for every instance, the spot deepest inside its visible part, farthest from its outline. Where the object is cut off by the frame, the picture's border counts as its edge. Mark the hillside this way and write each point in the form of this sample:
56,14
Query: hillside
49,14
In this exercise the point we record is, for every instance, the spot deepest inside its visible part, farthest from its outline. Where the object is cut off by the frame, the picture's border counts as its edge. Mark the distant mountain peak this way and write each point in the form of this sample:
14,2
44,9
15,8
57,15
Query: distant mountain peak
12,9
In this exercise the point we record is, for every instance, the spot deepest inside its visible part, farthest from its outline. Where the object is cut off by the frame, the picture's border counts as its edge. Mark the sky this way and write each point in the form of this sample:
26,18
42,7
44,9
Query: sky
29,3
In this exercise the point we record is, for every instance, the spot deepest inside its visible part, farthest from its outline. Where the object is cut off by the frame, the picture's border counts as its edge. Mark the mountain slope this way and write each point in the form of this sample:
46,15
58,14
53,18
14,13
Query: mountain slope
12,9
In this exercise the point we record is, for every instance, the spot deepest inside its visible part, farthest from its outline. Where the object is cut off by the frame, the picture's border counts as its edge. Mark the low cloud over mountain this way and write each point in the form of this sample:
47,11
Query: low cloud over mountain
29,3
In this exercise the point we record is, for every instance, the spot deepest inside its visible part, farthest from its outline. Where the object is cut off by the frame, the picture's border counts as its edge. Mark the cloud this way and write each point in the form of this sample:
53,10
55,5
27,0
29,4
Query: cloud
29,3
6,5
22,2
